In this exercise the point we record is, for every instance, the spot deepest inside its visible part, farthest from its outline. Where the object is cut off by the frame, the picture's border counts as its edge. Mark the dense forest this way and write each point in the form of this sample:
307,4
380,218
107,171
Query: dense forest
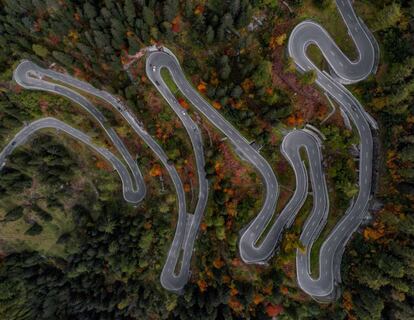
71,248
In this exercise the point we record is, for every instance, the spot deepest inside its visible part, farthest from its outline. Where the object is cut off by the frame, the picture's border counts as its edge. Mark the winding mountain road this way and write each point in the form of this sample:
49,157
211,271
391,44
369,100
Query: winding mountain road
258,240
29,76
167,59
325,287
254,245
51,123
183,242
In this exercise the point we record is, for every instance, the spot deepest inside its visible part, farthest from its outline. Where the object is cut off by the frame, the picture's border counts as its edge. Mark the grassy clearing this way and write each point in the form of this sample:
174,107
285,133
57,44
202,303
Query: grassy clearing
333,219
316,56
13,233
166,76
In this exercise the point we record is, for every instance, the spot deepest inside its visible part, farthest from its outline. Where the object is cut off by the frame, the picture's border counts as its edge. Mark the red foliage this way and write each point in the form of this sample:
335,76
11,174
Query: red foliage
274,310
176,24
183,103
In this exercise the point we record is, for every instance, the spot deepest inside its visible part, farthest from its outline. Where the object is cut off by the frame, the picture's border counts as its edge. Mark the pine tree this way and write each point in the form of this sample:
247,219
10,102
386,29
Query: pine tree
148,16
129,10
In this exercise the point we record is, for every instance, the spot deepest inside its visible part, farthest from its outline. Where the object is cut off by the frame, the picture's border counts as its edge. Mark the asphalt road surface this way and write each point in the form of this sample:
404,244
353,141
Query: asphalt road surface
259,238
51,123
325,287
29,76
164,58
176,270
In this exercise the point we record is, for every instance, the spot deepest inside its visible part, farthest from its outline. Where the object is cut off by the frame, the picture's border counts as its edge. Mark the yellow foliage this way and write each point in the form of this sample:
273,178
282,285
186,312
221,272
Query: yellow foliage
379,103
376,232
280,40
73,35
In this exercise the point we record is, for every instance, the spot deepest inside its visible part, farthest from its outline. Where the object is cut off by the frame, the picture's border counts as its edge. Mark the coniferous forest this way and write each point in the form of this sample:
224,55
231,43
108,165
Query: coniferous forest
72,248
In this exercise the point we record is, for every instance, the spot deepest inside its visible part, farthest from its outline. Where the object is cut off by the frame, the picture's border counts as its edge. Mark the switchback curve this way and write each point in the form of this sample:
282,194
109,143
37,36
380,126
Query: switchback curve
47,123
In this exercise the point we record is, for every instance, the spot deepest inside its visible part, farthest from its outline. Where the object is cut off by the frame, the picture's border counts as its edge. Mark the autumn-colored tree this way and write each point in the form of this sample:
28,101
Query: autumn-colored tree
273,310
155,170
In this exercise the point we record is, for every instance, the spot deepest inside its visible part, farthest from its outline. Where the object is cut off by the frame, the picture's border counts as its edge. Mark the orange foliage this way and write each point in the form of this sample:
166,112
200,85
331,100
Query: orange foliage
258,298
199,10
202,87
187,187
231,206
375,232
202,285
225,279
234,292
78,72
217,168
218,263
236,104
289,270
247,85
236,262
284,290
155,170
183,103
209,273
235,305
273,42
77,17
101,164
216,105
274,310
203,226
347,301
214,79
295,120
268,289
269,91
